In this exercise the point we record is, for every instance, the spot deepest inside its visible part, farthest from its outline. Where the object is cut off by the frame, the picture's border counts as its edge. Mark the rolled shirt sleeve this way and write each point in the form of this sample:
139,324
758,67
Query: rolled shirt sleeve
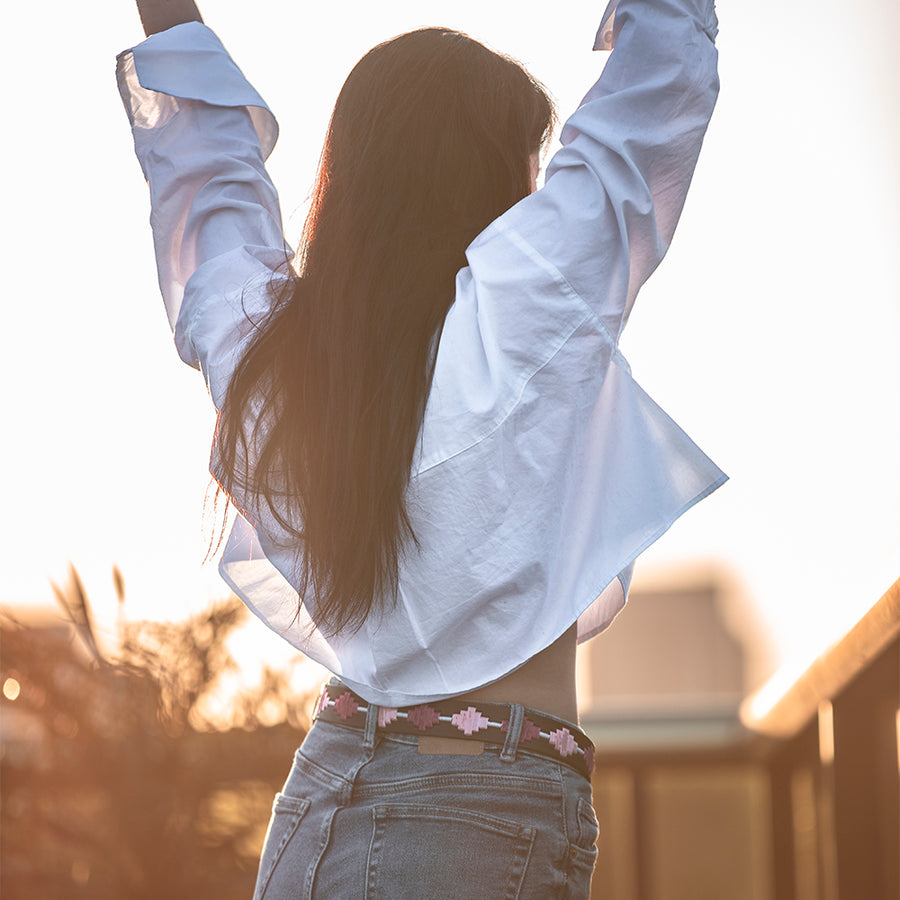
202,135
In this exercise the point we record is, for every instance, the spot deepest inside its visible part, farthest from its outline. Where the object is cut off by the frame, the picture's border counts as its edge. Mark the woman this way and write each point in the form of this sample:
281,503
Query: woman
443,468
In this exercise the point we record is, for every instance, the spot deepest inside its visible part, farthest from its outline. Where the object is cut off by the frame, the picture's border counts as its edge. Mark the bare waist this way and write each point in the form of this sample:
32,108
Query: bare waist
546,682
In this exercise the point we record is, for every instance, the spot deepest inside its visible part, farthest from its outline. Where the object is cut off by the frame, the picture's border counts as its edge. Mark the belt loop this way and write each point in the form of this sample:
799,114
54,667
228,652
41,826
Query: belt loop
371,723
513,732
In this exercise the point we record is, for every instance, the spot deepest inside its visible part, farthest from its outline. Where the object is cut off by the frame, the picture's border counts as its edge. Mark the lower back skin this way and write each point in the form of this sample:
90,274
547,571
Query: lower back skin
546,682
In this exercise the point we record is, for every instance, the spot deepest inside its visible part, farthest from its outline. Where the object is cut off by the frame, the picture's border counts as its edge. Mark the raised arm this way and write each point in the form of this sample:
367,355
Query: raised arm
615,190
202,133
160,15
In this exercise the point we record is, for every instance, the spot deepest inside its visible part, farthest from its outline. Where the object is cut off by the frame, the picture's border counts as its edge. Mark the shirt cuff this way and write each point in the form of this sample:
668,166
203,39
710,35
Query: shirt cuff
190,63
607,32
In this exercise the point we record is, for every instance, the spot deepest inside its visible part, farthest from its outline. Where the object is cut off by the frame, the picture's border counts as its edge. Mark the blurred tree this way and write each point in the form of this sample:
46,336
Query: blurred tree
114,783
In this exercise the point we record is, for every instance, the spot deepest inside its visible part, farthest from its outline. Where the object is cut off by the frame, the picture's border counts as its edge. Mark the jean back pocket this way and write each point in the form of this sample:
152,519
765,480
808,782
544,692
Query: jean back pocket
445,854
287,812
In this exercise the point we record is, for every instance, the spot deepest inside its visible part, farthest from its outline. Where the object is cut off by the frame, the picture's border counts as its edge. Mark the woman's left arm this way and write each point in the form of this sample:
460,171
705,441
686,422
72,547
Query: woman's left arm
160,15
202,134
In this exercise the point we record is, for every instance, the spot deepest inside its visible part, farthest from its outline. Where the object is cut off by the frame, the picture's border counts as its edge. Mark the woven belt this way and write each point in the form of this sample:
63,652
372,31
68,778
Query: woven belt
461,718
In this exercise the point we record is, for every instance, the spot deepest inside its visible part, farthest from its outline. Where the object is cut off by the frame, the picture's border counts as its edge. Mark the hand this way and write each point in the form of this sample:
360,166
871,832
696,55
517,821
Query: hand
159,15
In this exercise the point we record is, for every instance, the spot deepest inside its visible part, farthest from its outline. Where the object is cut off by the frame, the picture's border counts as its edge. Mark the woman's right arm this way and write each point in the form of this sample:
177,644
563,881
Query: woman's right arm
615,190
160,15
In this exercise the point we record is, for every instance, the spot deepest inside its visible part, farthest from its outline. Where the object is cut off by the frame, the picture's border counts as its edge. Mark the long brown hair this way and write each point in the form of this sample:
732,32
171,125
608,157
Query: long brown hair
429,141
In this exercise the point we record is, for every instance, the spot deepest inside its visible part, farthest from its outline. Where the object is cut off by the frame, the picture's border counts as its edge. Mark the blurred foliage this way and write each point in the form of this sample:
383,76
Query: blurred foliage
114,781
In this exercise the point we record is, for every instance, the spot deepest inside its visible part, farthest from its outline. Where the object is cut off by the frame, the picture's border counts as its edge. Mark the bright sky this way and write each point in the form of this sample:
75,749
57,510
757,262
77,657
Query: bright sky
770,333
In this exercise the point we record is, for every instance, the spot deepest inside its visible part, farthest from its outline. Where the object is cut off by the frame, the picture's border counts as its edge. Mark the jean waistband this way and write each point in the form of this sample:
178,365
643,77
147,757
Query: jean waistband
511,724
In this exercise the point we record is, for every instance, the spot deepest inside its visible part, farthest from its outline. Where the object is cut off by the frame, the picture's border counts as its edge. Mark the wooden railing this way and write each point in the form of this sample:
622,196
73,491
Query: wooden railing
793,794
834,766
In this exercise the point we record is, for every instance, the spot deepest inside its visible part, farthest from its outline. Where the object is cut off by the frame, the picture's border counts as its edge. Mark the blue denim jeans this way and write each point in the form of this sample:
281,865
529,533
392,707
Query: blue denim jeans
366,816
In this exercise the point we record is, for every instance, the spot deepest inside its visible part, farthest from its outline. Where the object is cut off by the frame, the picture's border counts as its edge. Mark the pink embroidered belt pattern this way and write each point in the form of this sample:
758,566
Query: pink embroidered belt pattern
459,718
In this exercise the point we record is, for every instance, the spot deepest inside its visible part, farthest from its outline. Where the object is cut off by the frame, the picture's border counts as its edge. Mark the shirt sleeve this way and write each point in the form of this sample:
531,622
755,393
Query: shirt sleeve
615,190
202,135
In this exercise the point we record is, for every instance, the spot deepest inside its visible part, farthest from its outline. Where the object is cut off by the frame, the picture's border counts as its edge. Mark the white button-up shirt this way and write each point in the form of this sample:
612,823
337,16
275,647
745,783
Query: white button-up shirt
543,469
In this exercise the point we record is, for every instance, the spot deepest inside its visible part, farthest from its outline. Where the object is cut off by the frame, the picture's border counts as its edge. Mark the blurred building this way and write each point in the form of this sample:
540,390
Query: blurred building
704,794
684,652
666,682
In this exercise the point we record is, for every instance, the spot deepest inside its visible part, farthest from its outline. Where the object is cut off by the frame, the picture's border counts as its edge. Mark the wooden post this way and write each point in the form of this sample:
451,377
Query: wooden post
867,782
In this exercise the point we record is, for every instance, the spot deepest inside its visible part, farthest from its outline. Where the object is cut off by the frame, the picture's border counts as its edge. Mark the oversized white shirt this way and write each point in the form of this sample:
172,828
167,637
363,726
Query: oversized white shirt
543,469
